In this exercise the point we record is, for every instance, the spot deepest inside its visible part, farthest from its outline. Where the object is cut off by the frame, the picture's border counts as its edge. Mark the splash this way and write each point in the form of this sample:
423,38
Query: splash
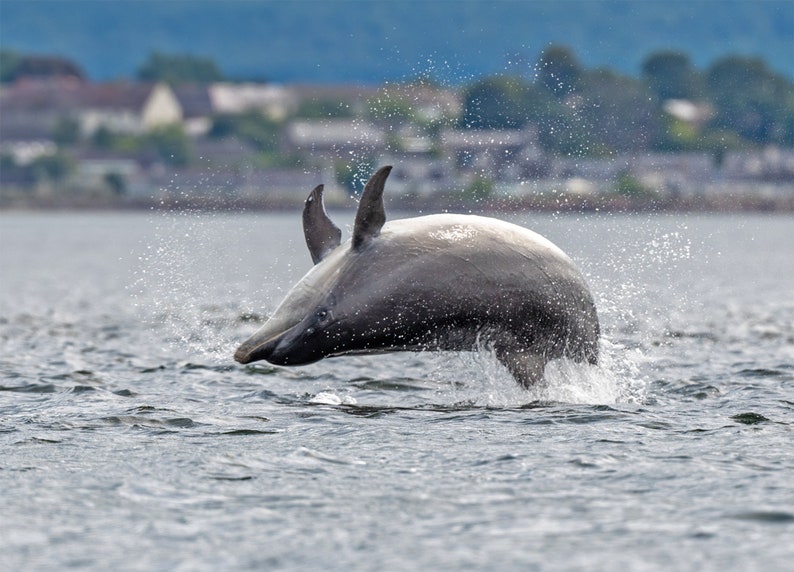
191,284
616,380
332,398
640,259
630,264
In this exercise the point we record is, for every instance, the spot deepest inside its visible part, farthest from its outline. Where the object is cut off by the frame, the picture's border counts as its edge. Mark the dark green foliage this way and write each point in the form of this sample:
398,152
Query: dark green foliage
594,112
559,71
504,102
14,174
9,64
14,66
324,109
7,162
390,110
670,75
66,132
104,138
116,183
629,186
252,126
751,100
109,140
479,189
616,112
351,175
172,144
55,168
176,69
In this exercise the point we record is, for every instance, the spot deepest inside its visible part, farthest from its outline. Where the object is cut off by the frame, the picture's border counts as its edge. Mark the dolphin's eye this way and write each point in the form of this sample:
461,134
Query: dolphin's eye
322,314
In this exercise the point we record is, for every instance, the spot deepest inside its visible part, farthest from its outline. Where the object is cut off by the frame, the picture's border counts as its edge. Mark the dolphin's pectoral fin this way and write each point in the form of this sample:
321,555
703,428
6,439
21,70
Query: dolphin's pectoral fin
370,216
322,235
527,367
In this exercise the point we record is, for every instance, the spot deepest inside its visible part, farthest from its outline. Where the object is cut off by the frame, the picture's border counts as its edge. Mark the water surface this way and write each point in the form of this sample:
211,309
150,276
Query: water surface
131,440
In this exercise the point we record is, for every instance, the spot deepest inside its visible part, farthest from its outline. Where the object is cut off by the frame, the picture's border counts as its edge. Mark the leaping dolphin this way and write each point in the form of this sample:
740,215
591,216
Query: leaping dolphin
438,282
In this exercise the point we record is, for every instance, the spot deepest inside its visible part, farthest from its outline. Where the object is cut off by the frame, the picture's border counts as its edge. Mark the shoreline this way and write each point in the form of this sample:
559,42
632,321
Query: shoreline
440,203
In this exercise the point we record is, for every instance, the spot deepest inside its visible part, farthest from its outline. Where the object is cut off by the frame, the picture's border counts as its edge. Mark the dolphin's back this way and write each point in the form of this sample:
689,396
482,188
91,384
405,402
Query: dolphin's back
489,276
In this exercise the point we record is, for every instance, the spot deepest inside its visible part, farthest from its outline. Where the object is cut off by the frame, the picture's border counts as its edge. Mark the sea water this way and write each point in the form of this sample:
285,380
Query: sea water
132,441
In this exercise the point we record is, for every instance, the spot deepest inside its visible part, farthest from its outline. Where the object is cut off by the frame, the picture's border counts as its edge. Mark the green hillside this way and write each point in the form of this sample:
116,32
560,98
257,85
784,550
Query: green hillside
374,41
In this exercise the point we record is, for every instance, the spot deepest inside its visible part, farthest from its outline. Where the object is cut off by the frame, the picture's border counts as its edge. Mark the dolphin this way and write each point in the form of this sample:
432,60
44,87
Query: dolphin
437,282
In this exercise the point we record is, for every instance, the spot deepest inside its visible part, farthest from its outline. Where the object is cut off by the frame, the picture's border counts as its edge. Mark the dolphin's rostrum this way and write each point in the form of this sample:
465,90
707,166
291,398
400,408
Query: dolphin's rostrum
438,282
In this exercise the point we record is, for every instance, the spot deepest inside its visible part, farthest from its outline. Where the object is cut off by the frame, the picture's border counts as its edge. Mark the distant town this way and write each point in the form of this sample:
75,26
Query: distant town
583,140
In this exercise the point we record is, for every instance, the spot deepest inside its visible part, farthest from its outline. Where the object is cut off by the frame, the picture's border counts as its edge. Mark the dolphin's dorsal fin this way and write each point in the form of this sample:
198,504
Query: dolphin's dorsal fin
371,215
322,235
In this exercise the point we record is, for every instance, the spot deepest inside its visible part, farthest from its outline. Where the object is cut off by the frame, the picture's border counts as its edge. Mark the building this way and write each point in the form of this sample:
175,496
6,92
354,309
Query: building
335,139
506,154
32,110
275,101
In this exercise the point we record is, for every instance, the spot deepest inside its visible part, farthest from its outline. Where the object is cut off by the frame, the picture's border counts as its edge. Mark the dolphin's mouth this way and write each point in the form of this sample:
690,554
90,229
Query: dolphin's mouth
253,349
282,347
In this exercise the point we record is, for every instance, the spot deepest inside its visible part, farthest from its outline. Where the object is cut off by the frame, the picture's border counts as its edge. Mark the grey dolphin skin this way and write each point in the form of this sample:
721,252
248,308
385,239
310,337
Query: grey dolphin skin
438,282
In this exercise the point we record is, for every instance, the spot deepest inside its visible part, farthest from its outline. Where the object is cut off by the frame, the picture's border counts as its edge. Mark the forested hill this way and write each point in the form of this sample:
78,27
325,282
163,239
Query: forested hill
374,41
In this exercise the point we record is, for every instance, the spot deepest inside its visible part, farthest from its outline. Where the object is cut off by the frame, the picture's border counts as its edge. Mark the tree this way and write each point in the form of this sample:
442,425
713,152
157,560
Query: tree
390,109
615,112
323,108
559,71
12,173
670,75
55,168
14,66
627,185
116,183
751,100
251,126
175,69
480,188
48,67
351,175
172,144
502,102
66,132
9,64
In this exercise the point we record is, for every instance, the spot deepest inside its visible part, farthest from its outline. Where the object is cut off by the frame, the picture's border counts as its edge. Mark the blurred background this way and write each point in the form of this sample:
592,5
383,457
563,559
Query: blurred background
130,438
546,105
